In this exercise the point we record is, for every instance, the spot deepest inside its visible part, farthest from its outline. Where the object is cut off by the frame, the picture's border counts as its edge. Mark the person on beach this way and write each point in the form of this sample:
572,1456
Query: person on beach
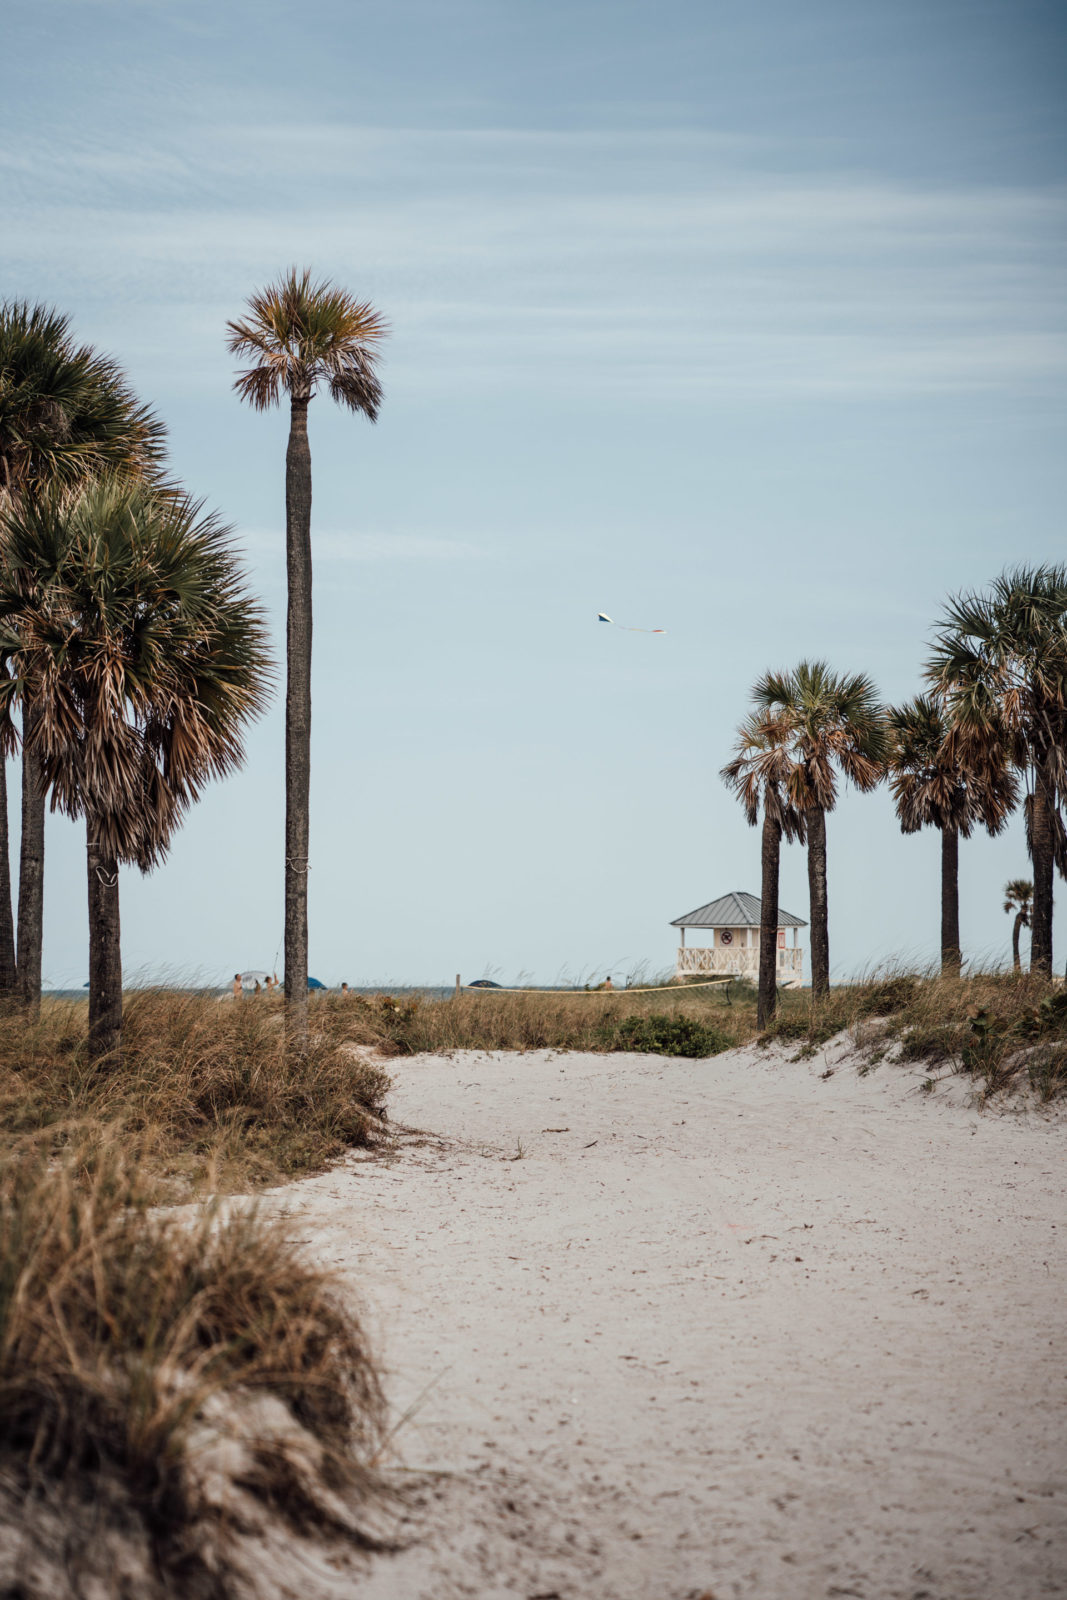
344,989
237,990
607,984
259,987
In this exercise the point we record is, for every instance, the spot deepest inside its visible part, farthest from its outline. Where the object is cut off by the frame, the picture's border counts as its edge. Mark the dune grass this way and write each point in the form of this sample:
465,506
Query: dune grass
1006,1030
203,1088
166,1375
540,1020
176,1385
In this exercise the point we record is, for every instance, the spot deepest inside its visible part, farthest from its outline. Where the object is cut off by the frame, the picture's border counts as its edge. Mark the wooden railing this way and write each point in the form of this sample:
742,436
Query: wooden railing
734,958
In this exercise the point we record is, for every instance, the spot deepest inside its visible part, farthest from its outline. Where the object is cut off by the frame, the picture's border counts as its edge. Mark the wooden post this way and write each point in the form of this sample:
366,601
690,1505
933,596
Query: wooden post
457,985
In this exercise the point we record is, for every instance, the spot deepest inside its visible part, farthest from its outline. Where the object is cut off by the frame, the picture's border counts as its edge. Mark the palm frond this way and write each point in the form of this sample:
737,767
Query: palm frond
298,333
126,616
67,413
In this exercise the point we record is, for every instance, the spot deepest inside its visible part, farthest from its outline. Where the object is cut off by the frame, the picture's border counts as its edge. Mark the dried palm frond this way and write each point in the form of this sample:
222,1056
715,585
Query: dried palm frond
831,721
761,771
300,333
933,786
131,628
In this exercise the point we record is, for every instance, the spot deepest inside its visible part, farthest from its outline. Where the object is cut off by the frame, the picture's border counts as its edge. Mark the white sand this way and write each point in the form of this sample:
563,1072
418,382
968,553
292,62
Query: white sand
737,1330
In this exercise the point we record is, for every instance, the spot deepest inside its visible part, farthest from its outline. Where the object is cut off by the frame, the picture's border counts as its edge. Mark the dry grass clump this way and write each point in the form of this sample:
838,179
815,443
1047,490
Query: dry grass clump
202,1087
172,1387
501,1020
1008,1030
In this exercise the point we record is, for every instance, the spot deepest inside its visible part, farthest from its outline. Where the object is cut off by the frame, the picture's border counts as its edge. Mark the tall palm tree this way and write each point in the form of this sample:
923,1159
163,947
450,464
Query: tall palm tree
1000,663
67,414
760,775
834,722
1018,897
130,626
931,788
300,334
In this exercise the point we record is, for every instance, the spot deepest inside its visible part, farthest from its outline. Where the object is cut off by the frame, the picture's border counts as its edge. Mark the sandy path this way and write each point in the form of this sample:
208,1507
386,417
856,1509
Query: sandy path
737,1330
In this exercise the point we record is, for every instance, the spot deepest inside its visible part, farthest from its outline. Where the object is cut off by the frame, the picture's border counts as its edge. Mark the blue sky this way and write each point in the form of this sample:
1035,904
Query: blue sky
742,320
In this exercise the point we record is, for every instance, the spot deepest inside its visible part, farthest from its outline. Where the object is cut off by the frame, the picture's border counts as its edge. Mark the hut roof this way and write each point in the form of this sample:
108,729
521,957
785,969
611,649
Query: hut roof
734,910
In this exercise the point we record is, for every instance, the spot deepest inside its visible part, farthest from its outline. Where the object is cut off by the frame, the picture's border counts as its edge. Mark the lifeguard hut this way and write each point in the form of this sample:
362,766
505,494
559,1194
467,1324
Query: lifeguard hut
733,924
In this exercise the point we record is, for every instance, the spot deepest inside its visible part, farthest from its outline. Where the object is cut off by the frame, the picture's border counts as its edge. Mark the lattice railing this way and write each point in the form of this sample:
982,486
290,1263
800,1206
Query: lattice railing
733,958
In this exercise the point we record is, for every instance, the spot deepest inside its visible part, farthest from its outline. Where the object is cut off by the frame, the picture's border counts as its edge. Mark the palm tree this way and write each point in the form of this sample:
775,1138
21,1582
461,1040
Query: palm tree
299,334
760,775
1018,897
833,721
1000,663
67,415
131,628
931,788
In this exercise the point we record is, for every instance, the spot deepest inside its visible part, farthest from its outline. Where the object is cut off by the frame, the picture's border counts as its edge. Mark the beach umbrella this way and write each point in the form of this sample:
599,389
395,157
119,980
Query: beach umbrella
313,983
254,977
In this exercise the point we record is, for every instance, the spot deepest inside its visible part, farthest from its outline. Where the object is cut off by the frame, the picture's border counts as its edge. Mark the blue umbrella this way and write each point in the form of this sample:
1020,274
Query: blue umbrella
313,983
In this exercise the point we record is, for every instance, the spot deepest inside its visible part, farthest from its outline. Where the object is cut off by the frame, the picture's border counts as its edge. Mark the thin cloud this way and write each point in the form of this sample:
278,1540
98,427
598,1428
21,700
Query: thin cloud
683,263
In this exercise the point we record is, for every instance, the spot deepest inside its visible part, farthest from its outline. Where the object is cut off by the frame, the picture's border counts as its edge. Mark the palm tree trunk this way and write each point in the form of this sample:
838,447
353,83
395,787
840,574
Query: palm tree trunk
297,721
817,899
767,1000
1016,962
105,946
1041,849
951,956
31,873
7,926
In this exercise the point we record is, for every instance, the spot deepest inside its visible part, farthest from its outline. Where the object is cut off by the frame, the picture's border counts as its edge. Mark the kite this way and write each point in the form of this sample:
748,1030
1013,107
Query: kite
602,616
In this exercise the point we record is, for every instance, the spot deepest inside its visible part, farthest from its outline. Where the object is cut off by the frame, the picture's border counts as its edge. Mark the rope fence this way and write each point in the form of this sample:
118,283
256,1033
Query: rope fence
660,988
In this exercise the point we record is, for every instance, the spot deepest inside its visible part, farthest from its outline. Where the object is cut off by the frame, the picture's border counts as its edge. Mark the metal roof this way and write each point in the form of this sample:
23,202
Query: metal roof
734,910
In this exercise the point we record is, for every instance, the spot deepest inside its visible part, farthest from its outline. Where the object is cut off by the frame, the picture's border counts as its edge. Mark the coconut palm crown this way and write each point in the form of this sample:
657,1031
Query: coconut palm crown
759,776
999,661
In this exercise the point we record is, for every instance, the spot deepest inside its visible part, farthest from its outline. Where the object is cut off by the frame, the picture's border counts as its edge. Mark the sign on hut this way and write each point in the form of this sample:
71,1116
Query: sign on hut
732,924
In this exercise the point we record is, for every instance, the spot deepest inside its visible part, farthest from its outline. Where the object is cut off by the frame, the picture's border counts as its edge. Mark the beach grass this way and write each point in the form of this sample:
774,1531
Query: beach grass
1004,1030
169,1376
204,1090
165,1378
505,1019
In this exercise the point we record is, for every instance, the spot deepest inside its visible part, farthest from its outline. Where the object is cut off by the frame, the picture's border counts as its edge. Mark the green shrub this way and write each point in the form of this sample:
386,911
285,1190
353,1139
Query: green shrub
660,1035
